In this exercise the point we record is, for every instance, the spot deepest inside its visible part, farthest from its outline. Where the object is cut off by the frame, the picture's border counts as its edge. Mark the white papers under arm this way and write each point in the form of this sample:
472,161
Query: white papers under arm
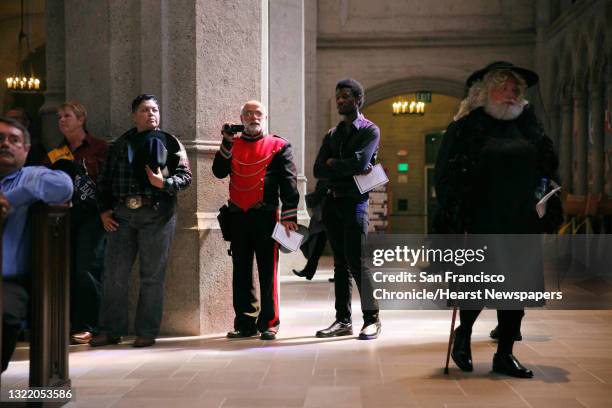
291,242
375,178
541,205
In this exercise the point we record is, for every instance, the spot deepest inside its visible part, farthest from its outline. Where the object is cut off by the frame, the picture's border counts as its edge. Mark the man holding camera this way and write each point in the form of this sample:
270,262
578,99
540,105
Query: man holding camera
261,170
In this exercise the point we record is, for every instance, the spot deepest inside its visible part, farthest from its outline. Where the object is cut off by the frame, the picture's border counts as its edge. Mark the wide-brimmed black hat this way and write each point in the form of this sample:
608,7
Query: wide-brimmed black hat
530,77
147,148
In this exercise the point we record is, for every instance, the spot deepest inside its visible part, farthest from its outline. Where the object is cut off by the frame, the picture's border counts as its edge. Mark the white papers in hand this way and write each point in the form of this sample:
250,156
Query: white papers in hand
375,178
541,205
291,242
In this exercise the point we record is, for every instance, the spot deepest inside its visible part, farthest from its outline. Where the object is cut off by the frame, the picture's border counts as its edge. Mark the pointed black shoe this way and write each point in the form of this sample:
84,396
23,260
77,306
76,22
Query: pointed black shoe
462,352
240,334
336,329
495,334
303,274
509,365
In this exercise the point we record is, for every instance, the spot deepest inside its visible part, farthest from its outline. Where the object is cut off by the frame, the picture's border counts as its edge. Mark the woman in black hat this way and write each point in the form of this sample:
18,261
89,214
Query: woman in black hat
493,157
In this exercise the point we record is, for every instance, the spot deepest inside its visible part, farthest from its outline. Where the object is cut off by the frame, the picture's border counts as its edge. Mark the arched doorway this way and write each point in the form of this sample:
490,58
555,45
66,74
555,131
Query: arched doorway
408,148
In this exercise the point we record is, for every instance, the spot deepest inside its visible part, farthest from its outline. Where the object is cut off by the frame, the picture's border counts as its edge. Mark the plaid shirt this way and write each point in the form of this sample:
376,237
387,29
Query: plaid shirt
117,179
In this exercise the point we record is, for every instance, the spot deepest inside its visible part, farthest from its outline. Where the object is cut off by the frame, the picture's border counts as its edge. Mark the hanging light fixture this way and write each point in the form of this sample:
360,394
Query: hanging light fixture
20,81
404,107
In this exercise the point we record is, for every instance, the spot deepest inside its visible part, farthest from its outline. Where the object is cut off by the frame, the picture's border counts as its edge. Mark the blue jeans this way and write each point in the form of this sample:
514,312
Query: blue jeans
146,231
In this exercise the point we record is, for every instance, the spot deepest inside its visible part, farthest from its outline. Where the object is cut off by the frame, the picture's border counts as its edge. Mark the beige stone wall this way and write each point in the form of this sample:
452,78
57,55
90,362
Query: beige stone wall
412,46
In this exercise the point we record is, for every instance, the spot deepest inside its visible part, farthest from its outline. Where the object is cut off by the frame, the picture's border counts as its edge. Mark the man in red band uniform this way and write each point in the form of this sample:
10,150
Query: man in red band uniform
261,170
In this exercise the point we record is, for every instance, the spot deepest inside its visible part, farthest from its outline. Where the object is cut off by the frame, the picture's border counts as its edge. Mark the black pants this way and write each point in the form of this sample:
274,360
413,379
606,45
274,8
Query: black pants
346,225
252,235
88,248
509,326
15,309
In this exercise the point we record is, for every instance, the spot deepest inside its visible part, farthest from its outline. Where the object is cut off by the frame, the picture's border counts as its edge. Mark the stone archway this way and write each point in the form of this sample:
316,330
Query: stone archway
408,85
408,201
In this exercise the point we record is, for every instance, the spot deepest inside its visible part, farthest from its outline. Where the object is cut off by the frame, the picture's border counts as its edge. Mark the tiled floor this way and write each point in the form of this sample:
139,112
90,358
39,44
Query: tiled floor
569,352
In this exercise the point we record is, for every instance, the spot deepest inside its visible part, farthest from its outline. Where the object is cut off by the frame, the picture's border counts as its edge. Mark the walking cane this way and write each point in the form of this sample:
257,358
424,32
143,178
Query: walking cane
450,339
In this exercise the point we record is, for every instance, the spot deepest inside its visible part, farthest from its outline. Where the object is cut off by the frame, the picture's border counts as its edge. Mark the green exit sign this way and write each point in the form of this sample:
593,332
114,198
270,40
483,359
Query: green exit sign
402,167
423,96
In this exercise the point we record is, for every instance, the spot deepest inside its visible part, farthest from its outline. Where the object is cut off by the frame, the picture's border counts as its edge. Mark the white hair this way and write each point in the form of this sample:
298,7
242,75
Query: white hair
478,94
253,102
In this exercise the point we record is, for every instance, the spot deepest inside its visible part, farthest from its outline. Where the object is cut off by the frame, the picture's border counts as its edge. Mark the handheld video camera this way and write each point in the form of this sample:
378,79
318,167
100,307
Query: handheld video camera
233,129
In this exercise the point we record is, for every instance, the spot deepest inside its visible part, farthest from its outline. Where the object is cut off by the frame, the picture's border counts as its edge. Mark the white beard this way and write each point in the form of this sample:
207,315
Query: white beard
253,129
504,111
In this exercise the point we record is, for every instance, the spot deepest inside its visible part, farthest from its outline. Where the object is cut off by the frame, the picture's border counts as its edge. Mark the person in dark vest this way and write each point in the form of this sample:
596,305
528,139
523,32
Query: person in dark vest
137,197
348,149
492,157
261,170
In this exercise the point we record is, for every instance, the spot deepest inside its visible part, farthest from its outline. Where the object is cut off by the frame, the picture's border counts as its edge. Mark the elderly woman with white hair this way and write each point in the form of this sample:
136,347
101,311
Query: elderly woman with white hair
493,158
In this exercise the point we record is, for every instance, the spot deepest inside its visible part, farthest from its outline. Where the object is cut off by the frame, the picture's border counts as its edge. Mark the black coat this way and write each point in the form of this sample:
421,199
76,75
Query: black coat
486,174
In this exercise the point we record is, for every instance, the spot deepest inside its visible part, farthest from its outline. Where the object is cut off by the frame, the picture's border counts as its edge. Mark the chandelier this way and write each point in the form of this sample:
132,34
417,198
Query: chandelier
20,81
404,107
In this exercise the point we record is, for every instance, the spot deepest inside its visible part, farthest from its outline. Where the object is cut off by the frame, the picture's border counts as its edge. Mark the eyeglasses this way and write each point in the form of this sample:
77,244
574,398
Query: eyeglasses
12,139
256,114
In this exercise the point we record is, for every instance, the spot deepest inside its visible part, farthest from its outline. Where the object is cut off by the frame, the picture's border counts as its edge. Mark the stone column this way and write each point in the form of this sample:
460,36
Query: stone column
608,134
56,65
581,140
541,49
312,137
231,66
202,59
286,106
597,119
555,124
565,144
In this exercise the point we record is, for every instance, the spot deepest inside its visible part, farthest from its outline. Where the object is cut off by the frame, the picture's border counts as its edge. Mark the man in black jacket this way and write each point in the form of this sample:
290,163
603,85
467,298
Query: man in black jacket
348,149
261,169
493,156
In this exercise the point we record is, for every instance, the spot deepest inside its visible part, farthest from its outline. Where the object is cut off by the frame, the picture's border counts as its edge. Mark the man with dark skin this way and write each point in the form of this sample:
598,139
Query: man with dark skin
348,149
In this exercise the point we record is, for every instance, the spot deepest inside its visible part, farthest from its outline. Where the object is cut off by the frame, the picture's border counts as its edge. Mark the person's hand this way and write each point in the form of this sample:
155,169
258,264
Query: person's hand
227,136
289,226
5,206
368,169
108,221
329,162
155,177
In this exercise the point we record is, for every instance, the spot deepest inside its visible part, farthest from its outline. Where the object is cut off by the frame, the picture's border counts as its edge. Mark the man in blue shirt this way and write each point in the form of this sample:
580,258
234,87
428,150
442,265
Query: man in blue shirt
20,186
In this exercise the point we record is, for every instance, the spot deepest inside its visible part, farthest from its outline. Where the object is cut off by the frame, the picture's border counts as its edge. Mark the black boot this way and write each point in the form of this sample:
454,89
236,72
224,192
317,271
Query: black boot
509,365
462,352
495,334
303,274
